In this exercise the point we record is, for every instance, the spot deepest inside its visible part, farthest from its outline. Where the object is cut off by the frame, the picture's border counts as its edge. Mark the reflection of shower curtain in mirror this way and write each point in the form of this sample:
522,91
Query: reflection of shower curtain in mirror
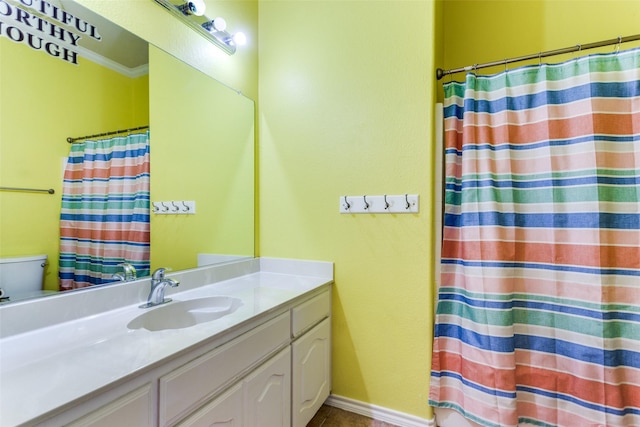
104,219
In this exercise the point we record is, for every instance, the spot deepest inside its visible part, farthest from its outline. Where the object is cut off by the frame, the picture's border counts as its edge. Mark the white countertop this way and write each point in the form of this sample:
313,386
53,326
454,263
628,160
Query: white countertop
49,367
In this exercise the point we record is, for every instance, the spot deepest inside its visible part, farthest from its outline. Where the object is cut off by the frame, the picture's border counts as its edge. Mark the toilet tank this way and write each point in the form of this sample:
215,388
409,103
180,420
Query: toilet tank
22,277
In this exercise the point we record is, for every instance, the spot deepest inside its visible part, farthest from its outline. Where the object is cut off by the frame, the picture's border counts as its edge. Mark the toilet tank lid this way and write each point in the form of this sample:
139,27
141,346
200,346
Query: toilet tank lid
23,259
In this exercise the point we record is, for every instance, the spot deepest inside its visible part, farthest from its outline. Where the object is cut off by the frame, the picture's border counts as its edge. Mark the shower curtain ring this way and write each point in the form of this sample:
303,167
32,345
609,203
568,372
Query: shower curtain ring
618,44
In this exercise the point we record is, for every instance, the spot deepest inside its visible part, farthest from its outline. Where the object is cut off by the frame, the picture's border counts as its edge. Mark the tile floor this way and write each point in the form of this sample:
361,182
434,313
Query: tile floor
328,416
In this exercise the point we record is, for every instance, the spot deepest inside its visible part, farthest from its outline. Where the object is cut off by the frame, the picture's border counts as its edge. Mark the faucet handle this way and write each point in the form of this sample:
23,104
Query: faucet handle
158,274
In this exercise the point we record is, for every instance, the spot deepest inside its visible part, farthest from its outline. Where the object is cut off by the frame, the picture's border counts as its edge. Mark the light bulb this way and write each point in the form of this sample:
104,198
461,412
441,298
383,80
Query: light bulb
239,39
215,25
219,24
196,7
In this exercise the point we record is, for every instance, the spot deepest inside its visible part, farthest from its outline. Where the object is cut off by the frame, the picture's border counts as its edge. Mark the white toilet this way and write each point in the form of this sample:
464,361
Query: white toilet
22,278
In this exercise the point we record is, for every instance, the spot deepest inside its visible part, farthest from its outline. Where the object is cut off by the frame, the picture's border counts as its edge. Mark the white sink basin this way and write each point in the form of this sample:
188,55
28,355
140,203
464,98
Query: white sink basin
183,314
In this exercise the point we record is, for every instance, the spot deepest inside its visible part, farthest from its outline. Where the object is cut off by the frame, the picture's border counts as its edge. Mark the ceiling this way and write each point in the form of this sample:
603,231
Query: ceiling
119,49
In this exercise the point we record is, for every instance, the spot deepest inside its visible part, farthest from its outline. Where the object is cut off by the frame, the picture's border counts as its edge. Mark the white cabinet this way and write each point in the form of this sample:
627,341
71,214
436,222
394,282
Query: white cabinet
310,312
224,411
276,374
261,399
311,357
134,408
311,372
267,393
185,389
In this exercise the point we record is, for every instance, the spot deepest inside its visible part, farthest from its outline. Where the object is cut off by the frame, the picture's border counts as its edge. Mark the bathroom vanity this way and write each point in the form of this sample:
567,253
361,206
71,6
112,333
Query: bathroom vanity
257,351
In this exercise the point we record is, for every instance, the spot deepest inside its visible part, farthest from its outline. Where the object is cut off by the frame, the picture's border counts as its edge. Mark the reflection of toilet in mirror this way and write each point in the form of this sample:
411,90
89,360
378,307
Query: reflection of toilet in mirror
21,278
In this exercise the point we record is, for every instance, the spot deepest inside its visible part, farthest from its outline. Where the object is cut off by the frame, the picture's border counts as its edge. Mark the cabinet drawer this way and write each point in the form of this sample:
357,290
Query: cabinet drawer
188,386
310,312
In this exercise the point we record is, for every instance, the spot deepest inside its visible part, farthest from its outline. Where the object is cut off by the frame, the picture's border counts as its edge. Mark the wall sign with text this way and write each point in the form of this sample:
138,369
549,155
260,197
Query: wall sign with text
43,26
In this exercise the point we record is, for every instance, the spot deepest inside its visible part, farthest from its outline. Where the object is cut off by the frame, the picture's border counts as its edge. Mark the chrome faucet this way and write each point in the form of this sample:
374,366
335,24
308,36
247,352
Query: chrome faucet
158,284
129,273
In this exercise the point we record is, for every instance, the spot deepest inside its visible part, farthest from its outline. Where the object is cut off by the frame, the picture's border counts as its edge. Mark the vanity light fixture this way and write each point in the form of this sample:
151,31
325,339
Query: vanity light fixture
217,29
191,12
193,7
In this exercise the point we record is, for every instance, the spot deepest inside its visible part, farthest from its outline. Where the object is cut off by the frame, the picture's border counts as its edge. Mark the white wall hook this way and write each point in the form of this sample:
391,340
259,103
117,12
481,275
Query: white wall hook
346,205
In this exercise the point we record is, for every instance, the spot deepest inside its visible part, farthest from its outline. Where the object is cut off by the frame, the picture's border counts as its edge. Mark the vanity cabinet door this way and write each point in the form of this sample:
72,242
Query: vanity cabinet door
311,372
267,393
224,411
132,409
187,388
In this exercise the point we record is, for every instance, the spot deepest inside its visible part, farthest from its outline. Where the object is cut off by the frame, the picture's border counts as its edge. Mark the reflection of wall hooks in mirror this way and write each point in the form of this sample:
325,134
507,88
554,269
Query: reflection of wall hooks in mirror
174,207
214,30
405,203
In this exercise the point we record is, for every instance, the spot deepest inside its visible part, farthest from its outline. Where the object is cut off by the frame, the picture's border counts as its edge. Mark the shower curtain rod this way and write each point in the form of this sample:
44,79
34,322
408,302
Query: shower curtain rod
71,140
440,73
28,190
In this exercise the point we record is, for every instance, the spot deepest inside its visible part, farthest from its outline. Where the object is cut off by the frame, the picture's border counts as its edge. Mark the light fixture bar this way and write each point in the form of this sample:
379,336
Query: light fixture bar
230,49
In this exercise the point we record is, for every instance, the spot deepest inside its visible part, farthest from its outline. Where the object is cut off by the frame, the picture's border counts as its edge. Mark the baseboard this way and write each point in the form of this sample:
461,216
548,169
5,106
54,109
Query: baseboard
378,412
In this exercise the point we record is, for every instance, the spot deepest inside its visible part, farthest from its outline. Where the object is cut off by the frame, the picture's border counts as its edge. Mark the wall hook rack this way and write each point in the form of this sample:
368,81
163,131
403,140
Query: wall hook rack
174,207
403,203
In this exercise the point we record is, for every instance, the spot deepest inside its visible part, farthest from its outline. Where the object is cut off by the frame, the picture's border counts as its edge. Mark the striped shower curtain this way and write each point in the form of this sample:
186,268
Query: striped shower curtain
538,312
105,210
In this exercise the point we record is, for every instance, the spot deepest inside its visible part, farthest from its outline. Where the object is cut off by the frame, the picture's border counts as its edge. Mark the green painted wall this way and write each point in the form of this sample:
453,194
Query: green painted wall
346,105
484,31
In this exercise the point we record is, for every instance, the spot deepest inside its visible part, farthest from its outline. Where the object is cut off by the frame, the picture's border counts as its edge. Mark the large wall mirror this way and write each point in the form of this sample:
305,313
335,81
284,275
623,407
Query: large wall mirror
201,143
